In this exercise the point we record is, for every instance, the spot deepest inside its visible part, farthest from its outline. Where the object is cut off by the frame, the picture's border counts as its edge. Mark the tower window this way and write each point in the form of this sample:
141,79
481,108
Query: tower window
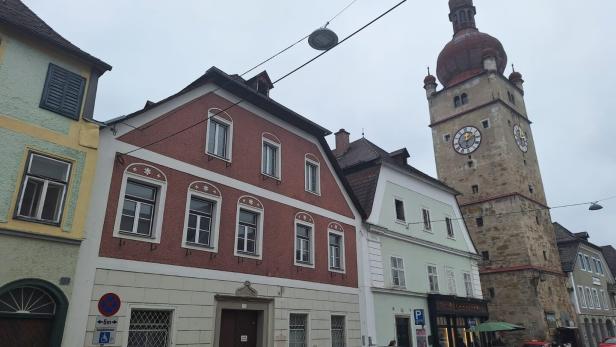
446,137
545,255
531,189
479,221
492,292
485,123
485,255
464,99
511,97
475,189
457,102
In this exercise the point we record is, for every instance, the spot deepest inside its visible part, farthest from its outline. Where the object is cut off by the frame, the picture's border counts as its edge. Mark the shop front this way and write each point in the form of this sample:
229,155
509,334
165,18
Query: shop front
452,317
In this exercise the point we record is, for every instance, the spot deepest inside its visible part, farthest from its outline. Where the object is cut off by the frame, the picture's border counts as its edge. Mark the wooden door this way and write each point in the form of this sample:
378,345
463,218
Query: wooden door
403,332
25,332
238,328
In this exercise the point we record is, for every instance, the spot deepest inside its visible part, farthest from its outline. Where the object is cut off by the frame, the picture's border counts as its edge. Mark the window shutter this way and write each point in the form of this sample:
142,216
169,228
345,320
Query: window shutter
63,92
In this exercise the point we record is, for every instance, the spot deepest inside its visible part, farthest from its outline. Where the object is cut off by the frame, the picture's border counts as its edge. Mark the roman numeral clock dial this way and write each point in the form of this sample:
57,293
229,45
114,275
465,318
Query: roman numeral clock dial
467,140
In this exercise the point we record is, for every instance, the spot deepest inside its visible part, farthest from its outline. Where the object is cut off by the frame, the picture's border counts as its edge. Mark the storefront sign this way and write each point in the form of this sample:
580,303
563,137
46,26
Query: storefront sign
451,305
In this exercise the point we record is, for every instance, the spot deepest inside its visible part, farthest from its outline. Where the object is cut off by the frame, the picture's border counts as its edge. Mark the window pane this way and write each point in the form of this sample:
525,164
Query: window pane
140,191
146,211
46,167
129,207
190,234
211,138
204,237
53,202
221,140
248,217
250,246
201,205
126,223
192,221
143,226
303,231
31,197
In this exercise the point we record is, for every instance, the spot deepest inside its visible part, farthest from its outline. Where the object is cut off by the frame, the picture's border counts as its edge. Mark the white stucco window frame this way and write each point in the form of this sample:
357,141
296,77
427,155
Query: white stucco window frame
317,191
214,114
423,224
342,252
149,307
453,230
215,225
450,270
259,239
400,221
159,209
278,145
312,237
438,282
580,290
308,326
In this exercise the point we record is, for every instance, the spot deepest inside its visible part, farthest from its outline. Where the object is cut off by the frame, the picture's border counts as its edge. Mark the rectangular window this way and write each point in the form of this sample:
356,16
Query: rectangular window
248,231
451,280
218,138
479,221
298,336
149,328
587,261
603,298
475,189
335,251
589,298
582,264
433,278
338,331
199,228
270,165
399,210
397,272
449,226
312,177
303,244
43,189
427,224
596,301
63,92
138,208
581,297
468,284
485,123
600,267
485,255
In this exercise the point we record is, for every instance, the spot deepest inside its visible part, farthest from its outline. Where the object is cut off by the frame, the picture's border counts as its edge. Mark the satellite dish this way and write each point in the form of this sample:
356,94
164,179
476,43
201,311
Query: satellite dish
323,39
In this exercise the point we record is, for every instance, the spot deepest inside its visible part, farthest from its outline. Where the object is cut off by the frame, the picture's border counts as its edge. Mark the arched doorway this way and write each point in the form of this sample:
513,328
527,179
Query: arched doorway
32,313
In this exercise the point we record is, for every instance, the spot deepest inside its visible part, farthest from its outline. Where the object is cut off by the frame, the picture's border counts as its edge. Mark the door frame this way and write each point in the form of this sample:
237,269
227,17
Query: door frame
410,328
59,318
264,324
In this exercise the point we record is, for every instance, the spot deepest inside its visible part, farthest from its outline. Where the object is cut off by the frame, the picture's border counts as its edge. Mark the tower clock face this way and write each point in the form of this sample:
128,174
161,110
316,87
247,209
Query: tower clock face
467,140
521,139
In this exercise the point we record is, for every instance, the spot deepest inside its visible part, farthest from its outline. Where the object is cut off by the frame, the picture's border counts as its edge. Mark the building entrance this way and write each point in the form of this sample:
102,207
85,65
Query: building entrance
403,333
238,328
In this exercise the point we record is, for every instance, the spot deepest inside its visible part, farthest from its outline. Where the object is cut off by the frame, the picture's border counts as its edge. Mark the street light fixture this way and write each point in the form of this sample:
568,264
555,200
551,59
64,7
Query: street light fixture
594,206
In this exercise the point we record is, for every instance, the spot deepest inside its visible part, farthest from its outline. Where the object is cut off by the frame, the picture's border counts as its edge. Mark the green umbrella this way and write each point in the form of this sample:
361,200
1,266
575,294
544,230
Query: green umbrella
496,326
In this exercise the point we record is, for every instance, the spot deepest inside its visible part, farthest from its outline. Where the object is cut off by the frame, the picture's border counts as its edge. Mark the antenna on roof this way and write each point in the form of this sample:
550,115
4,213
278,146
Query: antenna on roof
428,70
362,132
513,67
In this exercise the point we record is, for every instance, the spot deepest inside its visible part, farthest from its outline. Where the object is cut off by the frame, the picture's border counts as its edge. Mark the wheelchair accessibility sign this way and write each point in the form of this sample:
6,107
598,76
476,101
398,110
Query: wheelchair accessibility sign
104,337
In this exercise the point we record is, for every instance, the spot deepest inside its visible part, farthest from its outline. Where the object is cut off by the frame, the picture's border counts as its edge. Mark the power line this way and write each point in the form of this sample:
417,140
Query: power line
339,13
274,82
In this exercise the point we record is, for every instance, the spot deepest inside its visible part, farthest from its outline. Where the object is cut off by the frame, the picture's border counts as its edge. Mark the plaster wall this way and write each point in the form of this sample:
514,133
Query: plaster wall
390,306
593,280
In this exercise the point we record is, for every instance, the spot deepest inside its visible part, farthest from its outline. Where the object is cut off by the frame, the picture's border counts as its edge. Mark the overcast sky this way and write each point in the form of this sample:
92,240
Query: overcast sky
564,48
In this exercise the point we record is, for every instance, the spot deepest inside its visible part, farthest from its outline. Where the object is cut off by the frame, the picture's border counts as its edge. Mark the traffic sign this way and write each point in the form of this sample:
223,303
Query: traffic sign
109,304
419,317
104,337
106,323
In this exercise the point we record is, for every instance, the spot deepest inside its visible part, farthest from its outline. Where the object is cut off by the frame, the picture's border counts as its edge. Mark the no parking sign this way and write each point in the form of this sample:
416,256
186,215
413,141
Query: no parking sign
109,304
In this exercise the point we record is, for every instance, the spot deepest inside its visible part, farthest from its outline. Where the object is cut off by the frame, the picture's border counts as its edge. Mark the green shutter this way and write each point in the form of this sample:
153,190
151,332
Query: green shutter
63,92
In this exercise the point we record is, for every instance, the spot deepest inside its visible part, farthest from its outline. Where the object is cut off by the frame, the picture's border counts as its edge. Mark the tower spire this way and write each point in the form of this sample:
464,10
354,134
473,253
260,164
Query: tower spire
462,15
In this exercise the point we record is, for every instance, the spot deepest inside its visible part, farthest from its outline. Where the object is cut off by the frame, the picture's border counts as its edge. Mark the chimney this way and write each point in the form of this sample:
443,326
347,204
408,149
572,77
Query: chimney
342,142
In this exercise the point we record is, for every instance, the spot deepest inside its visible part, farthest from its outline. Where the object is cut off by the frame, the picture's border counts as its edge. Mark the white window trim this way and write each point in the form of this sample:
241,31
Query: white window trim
581,261
214,233
318,187
472,293
391,273
604,300
399,221
308,335
438,284
219,119
342,252
453,230
595,296
590,299
259,245
312,237
588,264
583,302
159,210
172,326
423,225
278,146
24,183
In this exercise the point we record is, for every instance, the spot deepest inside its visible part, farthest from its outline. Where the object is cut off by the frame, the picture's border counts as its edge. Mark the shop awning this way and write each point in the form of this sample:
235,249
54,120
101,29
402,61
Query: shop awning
496,326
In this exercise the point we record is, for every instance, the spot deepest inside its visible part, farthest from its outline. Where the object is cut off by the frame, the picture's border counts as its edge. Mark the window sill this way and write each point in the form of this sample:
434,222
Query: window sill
199,247
337,270
135,237
214,156
429,231
308,265
270,176
452,238
313,193
247,255
37,221
401,222
400,288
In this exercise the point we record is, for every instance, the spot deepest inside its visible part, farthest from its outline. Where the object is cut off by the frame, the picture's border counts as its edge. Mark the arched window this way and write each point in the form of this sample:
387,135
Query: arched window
462,16
464,99
470,15
456,101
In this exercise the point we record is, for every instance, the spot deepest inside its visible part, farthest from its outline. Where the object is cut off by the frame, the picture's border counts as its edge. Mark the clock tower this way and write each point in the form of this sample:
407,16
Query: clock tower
484,148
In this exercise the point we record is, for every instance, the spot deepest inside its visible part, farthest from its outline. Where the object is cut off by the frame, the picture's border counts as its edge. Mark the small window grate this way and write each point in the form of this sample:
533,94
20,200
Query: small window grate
149,328
338,338
297,330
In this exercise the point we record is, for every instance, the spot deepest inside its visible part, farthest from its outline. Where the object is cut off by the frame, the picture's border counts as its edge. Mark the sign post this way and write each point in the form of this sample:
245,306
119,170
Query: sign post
105,326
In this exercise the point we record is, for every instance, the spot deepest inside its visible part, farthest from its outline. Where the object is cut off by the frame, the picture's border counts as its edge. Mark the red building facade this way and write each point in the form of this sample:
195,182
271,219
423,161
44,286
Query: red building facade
229,224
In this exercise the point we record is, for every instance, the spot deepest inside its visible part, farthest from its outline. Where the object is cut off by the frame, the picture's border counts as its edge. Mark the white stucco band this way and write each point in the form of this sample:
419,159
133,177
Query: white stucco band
193,303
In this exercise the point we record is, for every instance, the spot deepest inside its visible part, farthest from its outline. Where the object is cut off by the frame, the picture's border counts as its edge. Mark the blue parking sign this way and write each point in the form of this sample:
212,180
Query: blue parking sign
419,317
